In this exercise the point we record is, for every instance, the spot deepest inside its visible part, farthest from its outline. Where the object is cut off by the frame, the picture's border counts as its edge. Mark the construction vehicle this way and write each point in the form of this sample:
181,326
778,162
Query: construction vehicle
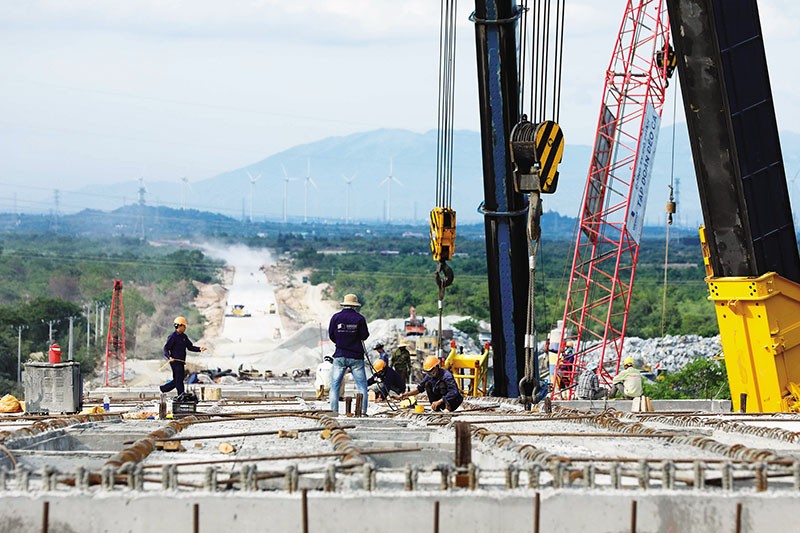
414,326
237,311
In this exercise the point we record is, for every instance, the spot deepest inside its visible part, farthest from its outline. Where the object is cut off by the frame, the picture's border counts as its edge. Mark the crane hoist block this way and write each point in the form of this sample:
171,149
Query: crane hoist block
536,151
443,233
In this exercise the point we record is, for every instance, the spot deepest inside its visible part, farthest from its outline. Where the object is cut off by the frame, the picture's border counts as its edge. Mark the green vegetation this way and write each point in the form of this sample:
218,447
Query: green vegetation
702,378
391,273
49,278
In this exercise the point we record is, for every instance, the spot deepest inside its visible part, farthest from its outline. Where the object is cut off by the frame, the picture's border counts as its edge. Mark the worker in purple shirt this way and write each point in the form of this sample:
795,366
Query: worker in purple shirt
385,380
439,384
175,352
348,331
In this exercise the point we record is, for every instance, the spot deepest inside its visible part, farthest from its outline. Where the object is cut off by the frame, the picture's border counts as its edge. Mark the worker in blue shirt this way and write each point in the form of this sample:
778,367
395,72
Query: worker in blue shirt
348,331
385,380
382,353
440,386
175,352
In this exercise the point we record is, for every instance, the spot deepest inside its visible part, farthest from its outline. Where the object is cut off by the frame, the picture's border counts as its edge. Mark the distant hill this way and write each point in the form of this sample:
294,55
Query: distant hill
367,155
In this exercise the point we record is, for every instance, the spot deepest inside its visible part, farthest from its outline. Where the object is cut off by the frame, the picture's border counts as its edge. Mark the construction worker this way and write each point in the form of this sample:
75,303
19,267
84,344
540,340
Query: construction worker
627,383
401,361
589,386
348,331
564,378
175,352
385,380
382,352
440,386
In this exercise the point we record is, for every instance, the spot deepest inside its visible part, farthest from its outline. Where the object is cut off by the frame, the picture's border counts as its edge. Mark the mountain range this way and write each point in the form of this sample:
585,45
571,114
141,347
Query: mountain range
313,178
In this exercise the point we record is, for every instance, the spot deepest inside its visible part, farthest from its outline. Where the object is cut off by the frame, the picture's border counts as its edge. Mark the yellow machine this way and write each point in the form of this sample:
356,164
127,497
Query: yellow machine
443,233
470,371
759,325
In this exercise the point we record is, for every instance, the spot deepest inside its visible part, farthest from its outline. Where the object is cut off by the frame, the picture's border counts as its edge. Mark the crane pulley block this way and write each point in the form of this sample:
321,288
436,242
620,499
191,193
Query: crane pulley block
443,233
536,152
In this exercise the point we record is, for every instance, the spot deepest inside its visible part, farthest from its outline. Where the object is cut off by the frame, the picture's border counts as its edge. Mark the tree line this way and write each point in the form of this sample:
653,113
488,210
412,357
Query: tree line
48,278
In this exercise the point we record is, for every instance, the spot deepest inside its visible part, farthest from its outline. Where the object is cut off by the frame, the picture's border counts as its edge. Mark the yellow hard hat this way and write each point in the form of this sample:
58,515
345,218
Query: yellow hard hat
627,361
379,365
430,362
179,320
570,344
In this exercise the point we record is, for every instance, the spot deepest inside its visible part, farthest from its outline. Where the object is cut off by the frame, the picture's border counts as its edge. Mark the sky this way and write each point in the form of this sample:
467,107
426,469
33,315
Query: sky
107,91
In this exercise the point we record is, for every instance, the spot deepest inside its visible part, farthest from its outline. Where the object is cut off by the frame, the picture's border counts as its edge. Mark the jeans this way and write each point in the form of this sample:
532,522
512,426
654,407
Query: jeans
356,366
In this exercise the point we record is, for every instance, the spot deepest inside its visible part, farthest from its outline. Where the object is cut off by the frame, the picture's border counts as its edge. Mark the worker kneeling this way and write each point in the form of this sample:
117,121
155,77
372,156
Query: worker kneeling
627,383
439,385
385,380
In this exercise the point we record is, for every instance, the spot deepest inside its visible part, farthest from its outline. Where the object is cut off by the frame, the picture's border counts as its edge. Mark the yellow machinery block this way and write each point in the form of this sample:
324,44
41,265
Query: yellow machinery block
759,325
443,233
470,371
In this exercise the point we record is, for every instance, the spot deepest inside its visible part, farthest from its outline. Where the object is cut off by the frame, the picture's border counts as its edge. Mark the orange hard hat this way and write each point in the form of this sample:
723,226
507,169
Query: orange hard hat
179,320
430,363
379,365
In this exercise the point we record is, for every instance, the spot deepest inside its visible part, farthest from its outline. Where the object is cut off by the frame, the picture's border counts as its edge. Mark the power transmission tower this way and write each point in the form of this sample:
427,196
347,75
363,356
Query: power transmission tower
140,217
115,342
349,181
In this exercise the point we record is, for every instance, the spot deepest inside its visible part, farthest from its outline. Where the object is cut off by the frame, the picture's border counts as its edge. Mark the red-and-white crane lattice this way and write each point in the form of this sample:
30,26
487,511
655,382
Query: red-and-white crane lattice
612,212
115,341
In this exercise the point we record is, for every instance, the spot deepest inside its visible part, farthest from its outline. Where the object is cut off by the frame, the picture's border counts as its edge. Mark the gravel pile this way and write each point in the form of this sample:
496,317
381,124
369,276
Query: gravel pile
670,353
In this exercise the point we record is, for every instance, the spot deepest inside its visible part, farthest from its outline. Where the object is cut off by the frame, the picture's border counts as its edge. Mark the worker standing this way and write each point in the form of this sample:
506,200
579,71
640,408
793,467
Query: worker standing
385,380
175,352
348,331
440,386
401,361
627,383
382,355
589,385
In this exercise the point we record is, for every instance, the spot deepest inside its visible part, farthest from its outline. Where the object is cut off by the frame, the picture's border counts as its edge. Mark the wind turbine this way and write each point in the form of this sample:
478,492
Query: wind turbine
348,180
253,180
388,181
286,180
308,180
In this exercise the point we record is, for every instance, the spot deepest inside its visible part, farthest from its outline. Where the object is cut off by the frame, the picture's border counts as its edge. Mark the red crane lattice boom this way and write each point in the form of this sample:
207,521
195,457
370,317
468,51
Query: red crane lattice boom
614,200
115,341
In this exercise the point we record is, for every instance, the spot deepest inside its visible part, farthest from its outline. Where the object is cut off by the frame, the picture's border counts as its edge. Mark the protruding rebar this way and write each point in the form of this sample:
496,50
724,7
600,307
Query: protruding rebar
760,471
210,479
291,478
727,476
644,474
699,475
796,472
329,482
369,476
534,472
107,474
616,475
589,475
668,475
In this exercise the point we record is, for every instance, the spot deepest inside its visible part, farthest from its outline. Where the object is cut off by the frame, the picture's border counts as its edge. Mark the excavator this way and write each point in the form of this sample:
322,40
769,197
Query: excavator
748,239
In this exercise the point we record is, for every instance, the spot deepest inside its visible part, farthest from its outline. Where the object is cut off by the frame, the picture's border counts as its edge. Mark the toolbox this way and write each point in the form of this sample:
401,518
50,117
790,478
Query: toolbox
184,405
